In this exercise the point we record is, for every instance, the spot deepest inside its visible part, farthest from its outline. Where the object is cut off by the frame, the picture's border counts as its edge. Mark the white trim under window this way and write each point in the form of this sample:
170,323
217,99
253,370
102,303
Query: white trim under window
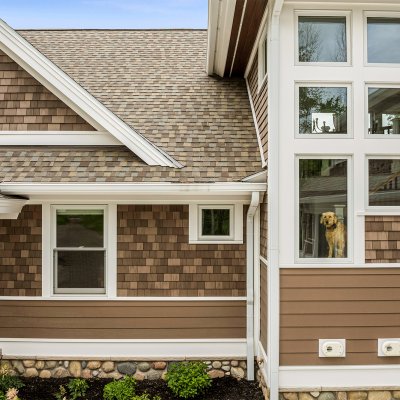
324,13
235,224
54,249
305,84
377,14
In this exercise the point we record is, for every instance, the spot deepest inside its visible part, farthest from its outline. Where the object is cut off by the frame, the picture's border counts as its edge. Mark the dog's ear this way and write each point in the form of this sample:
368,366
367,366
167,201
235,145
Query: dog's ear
321,221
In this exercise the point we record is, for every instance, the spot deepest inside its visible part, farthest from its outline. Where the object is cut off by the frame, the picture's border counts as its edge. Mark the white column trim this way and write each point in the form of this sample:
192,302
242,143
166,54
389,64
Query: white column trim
47,273
112,222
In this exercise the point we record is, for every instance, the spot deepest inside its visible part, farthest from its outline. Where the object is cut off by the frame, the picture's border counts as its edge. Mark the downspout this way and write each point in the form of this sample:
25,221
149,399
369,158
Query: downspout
255,202
273,203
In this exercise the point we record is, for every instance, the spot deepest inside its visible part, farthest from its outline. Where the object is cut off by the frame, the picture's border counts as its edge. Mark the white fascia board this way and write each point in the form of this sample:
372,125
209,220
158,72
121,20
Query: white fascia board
72,94
329,378
124,348
28,189
57,138
221,13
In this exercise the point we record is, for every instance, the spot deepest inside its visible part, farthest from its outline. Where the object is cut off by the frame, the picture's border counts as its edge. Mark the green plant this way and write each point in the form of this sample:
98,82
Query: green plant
145,396
188,379
61,394
123,389
9,382
77,388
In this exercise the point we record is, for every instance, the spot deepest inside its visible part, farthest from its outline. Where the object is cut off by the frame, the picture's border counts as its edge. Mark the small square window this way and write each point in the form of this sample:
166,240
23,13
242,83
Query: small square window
384,182
216,222
383,40
383,111
322,110
322,39
79,254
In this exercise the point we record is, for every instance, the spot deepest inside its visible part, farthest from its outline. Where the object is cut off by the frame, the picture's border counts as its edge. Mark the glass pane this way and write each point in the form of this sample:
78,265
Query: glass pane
323,208
322,39
323,110
80,228
384,182
80,269
215,222
384,111
383,40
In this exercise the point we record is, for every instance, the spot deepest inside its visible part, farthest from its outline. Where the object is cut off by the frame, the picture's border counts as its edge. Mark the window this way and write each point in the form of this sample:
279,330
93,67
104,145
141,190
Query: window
322,39
384,182
79,252
263,58
322,109
216,223
383,40
383,111
323,221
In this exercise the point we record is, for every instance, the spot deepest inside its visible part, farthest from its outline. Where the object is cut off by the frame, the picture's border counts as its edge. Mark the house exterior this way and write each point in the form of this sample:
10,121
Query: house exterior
229,195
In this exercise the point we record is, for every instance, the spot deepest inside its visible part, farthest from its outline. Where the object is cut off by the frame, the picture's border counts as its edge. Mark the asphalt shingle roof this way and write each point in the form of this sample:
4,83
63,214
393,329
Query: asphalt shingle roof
156,82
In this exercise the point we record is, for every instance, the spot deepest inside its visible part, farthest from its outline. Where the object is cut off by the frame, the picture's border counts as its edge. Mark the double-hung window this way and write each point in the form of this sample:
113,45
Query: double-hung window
79,249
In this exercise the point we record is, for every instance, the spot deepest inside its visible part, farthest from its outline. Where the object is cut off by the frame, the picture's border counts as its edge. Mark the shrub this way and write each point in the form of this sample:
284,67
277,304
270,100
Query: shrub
61,394
123,389
77,388
189,379
9,382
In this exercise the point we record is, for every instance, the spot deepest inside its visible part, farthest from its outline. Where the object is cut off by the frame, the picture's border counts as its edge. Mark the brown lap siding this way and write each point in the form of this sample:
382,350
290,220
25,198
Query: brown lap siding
122,319
359,305
21,253
156,259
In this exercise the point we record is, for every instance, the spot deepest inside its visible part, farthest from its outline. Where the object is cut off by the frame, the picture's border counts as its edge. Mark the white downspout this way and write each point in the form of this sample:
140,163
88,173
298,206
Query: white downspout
273,203
255,202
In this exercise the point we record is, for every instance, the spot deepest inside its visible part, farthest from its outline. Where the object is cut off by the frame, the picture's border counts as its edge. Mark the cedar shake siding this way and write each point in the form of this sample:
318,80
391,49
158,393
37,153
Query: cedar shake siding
21,253
359,305
26,105
263,305
260,102
156,259
122,319
382,239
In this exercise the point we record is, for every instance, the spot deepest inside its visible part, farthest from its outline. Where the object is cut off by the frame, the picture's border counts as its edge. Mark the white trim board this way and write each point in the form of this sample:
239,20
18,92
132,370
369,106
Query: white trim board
83,103
49,297
322,378
137,349
57,138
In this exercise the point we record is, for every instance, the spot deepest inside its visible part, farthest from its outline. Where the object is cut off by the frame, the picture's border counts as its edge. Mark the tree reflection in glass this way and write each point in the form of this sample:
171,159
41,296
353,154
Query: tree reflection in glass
322,39
323,110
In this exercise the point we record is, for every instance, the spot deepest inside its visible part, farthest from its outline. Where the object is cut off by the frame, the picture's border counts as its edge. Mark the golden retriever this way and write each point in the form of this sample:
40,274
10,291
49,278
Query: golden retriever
335,233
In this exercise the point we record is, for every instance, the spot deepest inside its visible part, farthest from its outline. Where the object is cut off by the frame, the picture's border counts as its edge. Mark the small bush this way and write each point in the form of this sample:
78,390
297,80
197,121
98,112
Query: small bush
123,389
77,388
9,382
61,394
189,379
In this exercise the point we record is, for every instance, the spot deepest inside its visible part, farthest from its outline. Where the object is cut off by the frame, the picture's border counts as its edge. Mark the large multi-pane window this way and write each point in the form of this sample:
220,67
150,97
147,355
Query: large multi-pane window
323,203
79,251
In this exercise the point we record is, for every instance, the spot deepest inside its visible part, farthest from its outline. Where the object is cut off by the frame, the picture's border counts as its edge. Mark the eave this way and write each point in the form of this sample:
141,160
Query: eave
11,206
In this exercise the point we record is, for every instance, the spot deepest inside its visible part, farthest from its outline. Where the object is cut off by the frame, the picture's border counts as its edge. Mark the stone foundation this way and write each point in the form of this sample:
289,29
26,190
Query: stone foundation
262,384
343,395
116,369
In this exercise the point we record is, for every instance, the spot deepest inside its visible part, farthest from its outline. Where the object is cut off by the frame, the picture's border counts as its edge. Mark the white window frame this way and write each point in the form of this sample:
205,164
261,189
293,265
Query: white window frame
348,86
386,85
324,13
262,66
377,14
78,291
378,210
350,212
236,224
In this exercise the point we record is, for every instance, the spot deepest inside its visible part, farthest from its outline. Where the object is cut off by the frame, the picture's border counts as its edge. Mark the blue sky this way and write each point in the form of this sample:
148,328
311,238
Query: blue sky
104,13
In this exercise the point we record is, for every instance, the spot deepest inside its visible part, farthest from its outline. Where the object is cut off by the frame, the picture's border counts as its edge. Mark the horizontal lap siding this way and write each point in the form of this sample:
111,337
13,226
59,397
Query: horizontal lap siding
26,105
21,253
156,259
359,305
264,305
122,319
260,102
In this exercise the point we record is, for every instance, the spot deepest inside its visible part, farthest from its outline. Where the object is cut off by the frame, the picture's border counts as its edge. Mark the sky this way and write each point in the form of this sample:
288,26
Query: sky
122,14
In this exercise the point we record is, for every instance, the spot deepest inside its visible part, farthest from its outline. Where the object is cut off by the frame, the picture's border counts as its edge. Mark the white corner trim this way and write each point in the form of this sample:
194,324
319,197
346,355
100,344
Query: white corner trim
253,112
136,349
57,138
71,93
322,378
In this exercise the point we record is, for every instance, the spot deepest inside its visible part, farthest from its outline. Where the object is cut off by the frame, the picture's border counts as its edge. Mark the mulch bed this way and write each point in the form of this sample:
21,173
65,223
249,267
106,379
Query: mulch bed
221,389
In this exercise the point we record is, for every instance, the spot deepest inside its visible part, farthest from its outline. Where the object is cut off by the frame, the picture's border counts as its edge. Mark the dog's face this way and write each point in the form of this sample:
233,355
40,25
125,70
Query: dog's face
328,219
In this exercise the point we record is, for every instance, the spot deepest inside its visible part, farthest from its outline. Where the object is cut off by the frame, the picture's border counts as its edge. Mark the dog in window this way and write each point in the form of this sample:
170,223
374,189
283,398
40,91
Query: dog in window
335,234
